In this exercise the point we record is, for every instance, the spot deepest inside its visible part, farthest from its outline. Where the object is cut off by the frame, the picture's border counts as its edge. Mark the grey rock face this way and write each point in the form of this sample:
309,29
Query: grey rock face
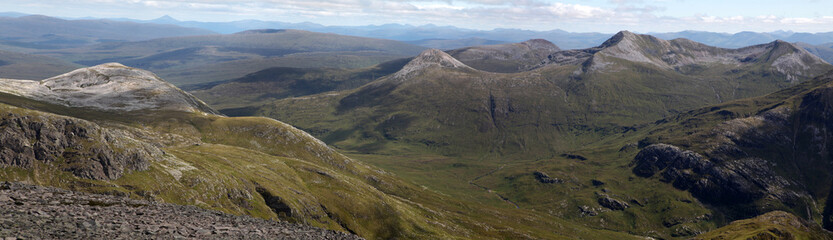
84,148
612,203
34,212
544,178
737,181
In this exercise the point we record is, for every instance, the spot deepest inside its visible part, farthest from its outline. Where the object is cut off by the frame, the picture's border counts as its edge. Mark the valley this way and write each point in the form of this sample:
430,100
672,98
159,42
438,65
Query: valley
305,134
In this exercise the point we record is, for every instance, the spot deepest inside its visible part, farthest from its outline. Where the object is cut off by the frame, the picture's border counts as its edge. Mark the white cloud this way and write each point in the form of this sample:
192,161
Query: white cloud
607,16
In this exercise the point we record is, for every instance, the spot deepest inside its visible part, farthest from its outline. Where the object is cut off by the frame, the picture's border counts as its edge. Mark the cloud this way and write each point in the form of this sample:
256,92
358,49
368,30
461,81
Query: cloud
604,16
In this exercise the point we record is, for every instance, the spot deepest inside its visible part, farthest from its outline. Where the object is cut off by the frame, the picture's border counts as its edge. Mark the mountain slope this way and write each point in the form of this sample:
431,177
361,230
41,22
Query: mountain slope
773,225
235,96
824,51
42,32
750,156
629,79
254,166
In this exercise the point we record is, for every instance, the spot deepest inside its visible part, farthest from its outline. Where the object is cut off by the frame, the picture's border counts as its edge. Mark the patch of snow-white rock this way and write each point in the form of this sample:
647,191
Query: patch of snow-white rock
109,87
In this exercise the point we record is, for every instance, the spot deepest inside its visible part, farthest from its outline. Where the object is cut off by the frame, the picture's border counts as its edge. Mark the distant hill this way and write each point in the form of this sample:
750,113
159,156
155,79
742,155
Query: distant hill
446,44
25,66
507,58
42,32
824,51
236,96
566,40
743,39
208,58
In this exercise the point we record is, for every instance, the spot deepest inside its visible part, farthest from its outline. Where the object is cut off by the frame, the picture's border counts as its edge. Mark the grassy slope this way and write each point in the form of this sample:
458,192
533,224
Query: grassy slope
773,225
230,164
274,83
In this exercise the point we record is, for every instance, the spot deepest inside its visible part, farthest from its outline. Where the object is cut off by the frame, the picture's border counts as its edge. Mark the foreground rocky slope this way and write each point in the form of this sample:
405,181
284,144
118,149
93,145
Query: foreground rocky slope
35,212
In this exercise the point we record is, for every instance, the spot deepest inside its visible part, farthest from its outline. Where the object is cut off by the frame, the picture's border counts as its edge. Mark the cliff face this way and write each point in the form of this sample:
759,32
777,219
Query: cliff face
81,147
776,159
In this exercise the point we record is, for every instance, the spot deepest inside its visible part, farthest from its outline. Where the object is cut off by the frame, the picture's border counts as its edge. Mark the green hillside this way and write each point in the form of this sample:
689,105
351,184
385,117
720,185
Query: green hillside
236,96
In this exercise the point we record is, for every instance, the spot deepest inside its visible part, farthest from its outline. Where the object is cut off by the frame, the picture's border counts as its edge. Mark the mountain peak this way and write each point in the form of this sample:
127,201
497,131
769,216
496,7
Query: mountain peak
622,36
166,19
430,58
109,87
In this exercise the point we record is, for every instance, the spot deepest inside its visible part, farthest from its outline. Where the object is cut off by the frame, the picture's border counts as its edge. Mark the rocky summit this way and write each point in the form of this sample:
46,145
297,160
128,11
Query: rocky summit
35,212
109,87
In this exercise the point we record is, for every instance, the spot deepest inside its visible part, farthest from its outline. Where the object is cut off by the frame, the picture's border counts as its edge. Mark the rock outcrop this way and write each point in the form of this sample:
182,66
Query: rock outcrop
78,146
723,182
34,212
612,203
544,178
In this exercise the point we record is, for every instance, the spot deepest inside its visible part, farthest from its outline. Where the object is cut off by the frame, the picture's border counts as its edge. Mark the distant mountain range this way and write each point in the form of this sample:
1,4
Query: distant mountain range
56,33
215,57
43,32
564,39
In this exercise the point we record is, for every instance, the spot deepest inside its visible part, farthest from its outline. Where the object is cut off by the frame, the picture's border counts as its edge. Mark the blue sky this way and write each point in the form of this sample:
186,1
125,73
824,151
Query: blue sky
571,15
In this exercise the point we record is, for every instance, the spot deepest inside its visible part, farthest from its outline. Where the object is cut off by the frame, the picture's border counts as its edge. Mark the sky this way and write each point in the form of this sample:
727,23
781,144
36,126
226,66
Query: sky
605,16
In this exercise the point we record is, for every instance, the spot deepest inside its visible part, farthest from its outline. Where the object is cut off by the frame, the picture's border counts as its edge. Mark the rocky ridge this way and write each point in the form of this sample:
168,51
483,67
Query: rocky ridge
109,87
507,58
34,212
679,54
